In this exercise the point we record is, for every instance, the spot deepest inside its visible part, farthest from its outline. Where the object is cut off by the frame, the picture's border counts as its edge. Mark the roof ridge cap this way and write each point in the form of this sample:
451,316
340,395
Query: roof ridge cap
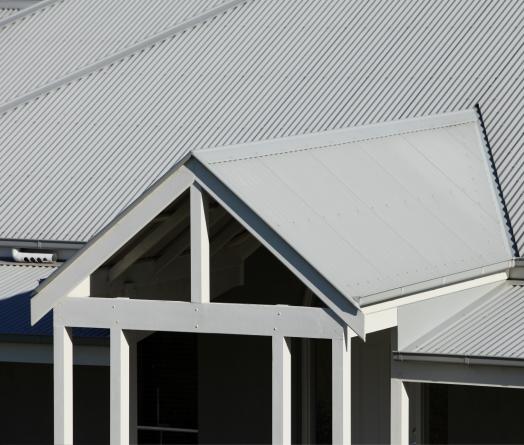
105,61
26,11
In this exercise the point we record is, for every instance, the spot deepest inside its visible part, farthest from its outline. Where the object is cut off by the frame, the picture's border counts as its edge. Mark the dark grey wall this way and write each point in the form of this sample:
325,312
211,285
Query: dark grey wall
485,415
371,388
234,389
26,404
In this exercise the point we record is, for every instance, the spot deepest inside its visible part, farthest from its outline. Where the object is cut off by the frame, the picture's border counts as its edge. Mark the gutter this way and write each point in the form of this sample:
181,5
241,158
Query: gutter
457,359
38,244
437,283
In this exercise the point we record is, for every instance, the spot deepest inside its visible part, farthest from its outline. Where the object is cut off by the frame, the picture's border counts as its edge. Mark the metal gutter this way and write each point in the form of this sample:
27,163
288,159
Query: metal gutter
458,359
437,283
39,244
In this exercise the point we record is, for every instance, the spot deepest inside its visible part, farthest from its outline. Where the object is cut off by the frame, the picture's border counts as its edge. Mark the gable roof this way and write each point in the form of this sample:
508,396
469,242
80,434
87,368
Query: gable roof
254,70
378,208
314,202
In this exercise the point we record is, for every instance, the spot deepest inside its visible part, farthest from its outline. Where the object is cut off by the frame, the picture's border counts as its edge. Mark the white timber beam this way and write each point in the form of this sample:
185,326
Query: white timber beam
216,318
63,385
281,397
200,283
119,387
399,413
341,389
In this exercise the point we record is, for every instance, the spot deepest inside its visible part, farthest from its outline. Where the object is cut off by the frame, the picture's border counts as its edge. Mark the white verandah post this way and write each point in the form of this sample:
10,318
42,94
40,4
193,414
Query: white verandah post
63,385
341,387
200,281
399,413
281,397
119,387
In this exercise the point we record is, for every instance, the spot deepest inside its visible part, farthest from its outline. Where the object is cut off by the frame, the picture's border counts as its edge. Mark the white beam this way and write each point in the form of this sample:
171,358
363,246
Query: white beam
63,385
399,413
199,246
119,388
281,399
215,318
341,387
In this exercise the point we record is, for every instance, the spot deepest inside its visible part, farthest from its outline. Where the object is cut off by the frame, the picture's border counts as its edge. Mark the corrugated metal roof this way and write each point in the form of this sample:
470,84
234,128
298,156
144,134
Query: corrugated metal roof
493,326
260,70
17,281
6,12
59,37
378,208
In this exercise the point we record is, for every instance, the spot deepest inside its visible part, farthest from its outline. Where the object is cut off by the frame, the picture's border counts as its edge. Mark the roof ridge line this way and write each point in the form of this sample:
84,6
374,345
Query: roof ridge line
26,11
119,55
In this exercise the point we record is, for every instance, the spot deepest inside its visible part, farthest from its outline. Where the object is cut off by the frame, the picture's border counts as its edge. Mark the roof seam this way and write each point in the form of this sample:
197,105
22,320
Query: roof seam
149,42
338,144
31,10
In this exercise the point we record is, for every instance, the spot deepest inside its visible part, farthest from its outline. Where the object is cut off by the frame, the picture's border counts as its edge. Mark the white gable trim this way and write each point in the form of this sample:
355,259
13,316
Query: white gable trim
100,248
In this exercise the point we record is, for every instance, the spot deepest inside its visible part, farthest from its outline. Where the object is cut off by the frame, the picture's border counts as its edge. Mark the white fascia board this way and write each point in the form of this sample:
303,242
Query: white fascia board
384,315
333,137
107,242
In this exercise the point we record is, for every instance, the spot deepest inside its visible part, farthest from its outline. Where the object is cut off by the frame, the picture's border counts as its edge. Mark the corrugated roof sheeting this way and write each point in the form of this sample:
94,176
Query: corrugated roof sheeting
377,213
261,70
63,36
17,281
491,327
6,12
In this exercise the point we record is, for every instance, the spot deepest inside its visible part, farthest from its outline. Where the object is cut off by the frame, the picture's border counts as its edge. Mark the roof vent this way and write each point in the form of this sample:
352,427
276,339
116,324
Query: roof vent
33,257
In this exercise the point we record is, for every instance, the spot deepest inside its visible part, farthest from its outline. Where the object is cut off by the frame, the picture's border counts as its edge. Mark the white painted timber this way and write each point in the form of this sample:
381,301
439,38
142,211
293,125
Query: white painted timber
214,318
63,385
100,248
200,284
341,390
281,399
119,388
399,413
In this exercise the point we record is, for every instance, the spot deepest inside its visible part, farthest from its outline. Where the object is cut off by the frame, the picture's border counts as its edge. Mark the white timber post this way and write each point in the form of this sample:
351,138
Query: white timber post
399,413
341,387
119,387
133,392
200,281
63,385
281,391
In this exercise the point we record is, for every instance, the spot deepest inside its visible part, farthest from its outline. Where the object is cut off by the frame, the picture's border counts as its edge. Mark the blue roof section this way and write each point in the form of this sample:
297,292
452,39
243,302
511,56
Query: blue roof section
17,282
15,319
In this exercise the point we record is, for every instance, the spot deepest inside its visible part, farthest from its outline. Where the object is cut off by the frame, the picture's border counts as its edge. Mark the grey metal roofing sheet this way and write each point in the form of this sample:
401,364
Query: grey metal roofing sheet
375,209
493,326
262,69
58,37
18,279
6,12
